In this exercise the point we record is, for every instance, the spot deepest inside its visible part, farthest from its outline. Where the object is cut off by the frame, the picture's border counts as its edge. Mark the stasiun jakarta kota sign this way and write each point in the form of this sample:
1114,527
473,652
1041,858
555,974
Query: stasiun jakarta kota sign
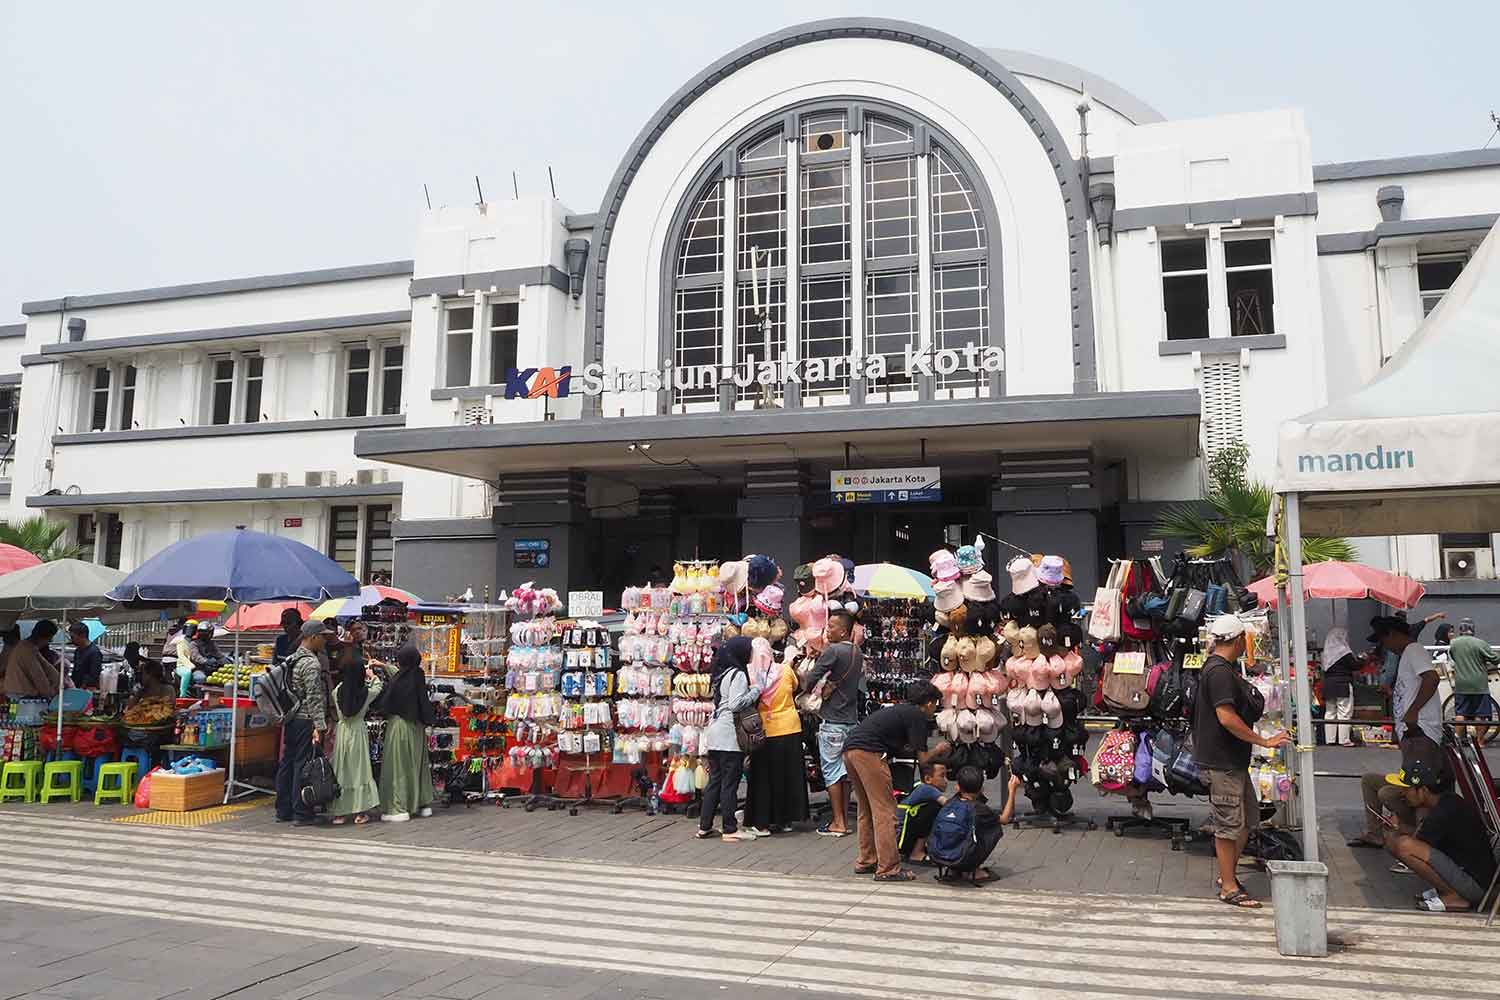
594,379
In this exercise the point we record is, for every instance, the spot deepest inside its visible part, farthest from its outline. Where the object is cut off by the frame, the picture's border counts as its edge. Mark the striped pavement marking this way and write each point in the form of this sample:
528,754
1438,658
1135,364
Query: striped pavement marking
843,935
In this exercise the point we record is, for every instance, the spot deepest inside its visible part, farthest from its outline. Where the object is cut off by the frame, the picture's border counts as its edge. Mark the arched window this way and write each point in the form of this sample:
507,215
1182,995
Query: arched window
872,220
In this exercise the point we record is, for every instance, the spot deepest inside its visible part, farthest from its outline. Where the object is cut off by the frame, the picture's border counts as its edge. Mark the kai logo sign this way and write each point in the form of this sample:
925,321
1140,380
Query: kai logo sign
534,383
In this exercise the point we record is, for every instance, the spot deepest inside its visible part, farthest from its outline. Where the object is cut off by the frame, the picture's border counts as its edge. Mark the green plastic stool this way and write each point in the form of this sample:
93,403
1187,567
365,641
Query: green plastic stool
30,773
72,786
120,789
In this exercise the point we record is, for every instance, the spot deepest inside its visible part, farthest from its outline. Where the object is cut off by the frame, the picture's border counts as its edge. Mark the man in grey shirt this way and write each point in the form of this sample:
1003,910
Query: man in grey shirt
843,666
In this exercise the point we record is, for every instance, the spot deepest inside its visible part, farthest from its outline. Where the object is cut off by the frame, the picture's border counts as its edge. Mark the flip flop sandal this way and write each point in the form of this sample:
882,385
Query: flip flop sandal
1240,899
361,819
865,869
903,875
1364,842
338,821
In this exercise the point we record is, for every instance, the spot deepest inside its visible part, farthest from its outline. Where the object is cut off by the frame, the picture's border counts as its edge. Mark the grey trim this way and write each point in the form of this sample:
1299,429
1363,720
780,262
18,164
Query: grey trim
1207,345
1204,212
508,280
10,330
231,430
772,425
1067,75
585,221
14,379
467,392
1462,159
447,527
1358,242
254,331
230,494
1462,588
1101,165
982,64
5,488
260,283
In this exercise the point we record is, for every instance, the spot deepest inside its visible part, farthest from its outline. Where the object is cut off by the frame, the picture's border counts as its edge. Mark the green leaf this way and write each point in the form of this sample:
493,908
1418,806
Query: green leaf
41,537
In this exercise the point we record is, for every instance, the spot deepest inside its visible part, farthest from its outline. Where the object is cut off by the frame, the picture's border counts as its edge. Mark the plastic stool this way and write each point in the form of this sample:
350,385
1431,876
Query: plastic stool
30,773
53,756
71,771
91,767
139,755
121,789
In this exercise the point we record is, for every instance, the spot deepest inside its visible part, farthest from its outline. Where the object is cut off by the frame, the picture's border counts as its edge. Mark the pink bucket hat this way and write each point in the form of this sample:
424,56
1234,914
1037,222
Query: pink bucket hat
769,600
828,576
943,564
979,587
1050,572
733,575
1022,575
947,595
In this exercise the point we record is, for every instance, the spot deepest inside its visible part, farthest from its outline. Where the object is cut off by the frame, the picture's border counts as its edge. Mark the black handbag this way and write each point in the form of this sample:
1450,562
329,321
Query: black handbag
317,786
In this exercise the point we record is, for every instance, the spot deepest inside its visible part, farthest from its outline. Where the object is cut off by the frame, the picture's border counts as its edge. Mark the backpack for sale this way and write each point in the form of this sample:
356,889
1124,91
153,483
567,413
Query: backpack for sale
1114,762
953,839
273,692
317,785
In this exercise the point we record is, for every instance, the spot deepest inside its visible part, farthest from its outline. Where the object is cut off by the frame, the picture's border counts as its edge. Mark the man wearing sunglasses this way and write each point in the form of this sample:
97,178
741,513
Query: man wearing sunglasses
843,665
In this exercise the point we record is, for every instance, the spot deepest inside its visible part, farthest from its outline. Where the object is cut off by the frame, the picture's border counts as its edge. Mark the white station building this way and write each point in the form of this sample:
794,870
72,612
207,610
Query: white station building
850,245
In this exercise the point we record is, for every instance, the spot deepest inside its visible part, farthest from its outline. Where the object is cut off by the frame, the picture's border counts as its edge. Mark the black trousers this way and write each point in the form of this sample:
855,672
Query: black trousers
988,836
722,793
296,751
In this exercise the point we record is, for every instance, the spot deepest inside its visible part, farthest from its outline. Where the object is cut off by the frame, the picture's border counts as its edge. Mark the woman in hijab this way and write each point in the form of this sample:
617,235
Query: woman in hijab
1339,664
778,782
357,687
733,691
405,768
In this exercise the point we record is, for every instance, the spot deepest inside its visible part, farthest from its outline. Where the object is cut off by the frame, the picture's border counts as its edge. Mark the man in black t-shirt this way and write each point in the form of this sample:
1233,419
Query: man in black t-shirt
896,731
1450,850
1226,709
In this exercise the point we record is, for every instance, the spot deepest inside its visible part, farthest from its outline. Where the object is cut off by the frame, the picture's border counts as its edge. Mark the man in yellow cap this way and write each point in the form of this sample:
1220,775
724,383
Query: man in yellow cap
1450,850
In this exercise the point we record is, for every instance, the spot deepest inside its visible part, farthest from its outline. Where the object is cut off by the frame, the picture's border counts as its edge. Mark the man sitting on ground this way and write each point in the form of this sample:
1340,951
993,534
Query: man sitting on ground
1450,851
918,810
989,826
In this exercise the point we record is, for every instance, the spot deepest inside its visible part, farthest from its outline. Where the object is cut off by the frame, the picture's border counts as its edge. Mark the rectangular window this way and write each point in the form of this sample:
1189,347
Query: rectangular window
825,132
700,318
762,225
392,361
10,411
1436,273
114,533
357,382
99,400
343,537
458,344
380,546
222,396
1184,288
826,318
891,208
960,316
127,398
825,213
255,377
1248,287
85,534
891,323
750,338
505,332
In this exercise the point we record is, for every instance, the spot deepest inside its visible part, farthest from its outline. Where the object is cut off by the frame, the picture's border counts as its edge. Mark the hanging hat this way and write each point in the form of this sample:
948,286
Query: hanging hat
828,576
968,658
1022,575
978,587
968,726
734,575
769,600
947,595
969,559
944,565
1050,572
763,571
802,577
989,725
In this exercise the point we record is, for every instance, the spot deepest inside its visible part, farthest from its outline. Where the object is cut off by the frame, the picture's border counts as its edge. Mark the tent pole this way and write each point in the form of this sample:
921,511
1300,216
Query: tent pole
1283,649
1306,791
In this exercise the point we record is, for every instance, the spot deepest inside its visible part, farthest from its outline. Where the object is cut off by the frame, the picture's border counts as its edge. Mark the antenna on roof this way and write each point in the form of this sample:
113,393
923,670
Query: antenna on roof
515,186
551,182
428,196
479,189
1496,119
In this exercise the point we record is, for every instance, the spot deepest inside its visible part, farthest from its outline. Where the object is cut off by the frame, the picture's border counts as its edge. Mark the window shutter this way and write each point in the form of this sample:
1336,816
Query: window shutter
1223,408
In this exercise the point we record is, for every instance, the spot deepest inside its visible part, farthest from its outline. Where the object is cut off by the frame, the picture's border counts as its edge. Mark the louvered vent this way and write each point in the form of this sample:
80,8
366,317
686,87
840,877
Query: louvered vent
476,414
1223,404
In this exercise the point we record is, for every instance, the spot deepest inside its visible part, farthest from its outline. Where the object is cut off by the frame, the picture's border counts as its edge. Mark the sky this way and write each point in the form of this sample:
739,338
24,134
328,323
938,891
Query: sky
162,143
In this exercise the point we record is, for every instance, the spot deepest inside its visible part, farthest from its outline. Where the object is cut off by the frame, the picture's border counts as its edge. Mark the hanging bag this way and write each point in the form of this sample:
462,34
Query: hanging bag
1114,762
1124,688
1104,618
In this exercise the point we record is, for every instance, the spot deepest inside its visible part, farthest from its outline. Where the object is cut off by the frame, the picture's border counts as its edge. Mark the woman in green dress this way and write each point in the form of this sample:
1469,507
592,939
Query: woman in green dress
357,688
405,768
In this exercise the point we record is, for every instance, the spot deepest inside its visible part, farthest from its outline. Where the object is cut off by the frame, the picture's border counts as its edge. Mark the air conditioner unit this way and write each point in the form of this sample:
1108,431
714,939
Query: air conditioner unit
1468,564
325,478
270,480
369,477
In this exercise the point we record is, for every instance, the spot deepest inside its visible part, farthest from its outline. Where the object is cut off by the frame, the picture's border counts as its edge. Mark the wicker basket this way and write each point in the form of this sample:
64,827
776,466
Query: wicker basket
186,792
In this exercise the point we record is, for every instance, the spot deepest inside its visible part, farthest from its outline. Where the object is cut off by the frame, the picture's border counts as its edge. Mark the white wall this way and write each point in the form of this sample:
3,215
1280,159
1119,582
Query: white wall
1209,159
1349,206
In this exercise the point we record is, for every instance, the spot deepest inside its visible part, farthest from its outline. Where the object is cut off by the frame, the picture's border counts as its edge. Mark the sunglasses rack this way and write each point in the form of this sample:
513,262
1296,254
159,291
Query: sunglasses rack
894,648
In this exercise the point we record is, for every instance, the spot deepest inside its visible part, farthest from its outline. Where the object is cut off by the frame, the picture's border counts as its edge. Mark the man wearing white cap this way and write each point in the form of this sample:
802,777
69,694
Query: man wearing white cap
1226,710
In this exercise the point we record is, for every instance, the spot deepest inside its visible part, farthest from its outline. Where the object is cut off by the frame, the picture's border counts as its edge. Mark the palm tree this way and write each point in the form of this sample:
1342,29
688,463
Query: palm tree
1235,523
41,537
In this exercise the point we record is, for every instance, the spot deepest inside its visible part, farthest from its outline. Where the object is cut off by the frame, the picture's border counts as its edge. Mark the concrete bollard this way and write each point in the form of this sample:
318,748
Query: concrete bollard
1299,895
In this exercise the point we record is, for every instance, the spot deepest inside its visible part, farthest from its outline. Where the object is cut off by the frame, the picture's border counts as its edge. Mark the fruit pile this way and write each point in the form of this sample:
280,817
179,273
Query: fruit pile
226,674
151,712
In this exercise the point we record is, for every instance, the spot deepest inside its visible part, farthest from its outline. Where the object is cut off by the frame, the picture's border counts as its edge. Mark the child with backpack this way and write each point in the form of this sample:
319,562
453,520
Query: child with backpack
916,812
966,830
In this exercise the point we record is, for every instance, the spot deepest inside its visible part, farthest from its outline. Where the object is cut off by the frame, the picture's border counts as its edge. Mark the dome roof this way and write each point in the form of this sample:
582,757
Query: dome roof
1076,79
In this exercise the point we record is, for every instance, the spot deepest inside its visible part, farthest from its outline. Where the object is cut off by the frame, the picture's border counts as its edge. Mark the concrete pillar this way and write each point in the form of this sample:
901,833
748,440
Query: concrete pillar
543,517
772,508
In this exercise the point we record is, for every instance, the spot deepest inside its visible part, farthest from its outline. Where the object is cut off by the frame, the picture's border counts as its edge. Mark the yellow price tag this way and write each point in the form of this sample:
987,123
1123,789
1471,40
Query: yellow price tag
1130,663
1193,661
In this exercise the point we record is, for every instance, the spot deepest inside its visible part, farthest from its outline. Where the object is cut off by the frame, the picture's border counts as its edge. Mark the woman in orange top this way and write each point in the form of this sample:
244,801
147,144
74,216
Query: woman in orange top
778,782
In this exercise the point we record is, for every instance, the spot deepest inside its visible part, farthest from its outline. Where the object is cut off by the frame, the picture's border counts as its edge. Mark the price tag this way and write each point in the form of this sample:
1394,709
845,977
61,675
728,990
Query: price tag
1130,663
1193,661
585,603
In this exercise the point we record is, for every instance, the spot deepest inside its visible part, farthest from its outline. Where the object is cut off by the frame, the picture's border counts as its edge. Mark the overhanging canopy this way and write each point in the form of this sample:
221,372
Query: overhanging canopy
1417,450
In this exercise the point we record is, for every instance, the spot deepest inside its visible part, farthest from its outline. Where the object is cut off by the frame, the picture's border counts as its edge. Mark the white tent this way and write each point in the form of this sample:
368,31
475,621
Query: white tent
1416,451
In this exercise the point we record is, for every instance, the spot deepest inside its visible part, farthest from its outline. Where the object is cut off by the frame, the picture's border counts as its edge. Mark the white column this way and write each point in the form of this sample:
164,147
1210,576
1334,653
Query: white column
1398,299
132,540
1218,295
320,396
359,545
70,407
856,245
372,384
924,269
146,375
190,390
479,352
273,380
730,194
793,255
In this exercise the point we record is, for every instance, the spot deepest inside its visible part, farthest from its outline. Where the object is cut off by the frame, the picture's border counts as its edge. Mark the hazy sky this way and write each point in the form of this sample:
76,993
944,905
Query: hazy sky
154,143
